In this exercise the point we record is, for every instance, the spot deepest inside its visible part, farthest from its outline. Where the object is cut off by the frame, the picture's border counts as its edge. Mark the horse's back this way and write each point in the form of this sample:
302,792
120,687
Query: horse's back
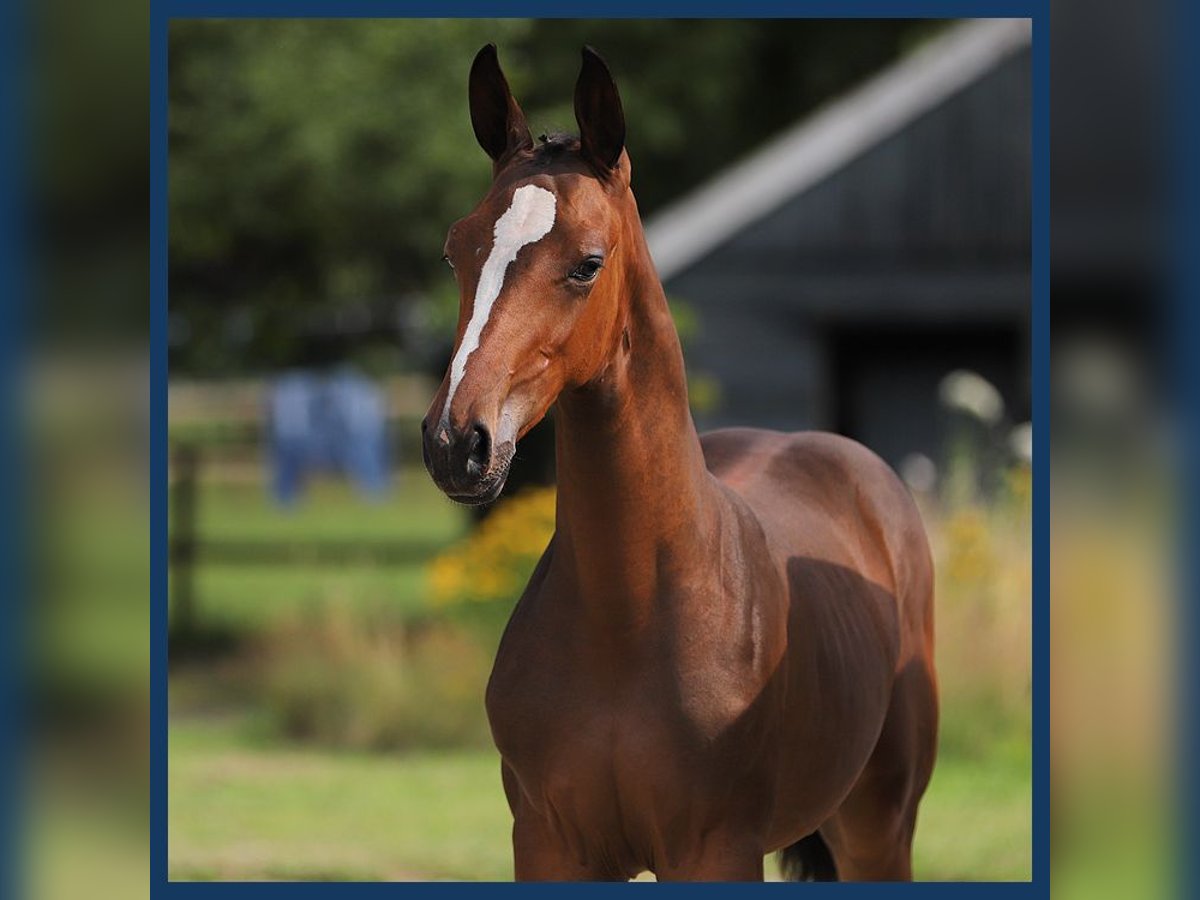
826,498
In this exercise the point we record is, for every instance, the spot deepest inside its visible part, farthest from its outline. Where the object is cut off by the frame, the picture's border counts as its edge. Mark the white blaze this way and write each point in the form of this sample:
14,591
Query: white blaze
528,218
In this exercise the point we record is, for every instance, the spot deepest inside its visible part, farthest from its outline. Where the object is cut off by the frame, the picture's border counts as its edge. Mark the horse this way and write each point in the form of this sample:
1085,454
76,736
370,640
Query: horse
726,649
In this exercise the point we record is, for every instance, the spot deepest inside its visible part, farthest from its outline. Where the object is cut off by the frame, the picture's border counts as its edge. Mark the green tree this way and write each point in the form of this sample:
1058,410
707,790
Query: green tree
315,165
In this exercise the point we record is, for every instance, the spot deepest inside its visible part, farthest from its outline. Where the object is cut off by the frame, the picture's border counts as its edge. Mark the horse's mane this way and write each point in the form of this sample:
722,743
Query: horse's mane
555,145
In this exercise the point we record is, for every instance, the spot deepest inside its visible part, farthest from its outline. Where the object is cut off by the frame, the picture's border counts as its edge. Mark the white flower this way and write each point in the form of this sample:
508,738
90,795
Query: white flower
919,472
973,394
1020,441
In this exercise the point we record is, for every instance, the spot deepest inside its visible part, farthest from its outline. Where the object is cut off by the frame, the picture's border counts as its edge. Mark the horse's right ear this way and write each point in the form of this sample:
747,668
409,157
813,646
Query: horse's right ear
497,119
599,114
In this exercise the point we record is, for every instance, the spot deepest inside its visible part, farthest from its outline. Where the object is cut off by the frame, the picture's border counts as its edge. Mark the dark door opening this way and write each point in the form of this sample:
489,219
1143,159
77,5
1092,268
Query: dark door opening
885,381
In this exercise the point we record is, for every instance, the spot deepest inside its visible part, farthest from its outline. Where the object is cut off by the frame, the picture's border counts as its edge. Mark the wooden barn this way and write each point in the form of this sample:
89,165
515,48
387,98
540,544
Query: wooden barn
840,272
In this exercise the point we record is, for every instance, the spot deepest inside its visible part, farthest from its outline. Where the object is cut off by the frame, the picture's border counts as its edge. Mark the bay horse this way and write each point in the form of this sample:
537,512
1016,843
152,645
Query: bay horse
727,647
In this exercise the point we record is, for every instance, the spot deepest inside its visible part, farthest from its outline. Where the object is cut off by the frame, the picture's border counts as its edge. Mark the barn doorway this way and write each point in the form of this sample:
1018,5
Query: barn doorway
885,381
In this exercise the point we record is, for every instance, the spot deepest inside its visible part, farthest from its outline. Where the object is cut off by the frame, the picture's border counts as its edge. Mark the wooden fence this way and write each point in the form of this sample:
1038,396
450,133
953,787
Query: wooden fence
219,424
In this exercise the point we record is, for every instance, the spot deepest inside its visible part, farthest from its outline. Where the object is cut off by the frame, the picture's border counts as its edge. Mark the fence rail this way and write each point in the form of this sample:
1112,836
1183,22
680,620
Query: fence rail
218,424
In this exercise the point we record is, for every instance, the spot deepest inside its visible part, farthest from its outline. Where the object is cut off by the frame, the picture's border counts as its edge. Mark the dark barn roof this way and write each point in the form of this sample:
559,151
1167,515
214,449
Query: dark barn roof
901,212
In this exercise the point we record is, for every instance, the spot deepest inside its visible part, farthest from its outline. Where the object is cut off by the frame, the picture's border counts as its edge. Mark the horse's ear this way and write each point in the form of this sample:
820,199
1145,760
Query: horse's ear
497,119
599,114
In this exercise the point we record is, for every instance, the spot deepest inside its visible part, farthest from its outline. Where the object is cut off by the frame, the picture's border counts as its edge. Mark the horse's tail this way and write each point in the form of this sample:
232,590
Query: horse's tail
808,859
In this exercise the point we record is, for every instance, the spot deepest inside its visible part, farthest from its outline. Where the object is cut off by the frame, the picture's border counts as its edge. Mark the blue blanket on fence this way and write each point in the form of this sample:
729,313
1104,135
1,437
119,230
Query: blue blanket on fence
335,423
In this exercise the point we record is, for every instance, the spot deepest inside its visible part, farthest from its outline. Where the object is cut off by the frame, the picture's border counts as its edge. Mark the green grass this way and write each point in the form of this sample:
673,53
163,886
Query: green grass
244,810
975,819
252,598
246,598
414,511
83,839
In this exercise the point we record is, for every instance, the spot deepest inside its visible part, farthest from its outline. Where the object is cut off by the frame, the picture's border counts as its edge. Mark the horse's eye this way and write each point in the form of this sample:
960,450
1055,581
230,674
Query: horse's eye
587,270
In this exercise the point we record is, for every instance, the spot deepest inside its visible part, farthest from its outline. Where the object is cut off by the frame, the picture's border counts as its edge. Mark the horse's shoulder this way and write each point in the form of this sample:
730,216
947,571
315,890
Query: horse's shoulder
744,456
825,496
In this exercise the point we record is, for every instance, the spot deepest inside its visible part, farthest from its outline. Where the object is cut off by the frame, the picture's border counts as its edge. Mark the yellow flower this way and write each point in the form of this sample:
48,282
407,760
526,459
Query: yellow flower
494,561
969,550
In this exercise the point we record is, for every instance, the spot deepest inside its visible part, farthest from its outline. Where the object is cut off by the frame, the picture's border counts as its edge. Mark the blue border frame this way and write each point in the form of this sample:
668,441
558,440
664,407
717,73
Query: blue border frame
162,11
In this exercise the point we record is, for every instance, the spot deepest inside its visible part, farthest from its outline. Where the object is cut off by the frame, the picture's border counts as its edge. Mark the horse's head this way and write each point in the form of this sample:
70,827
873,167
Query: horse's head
539,270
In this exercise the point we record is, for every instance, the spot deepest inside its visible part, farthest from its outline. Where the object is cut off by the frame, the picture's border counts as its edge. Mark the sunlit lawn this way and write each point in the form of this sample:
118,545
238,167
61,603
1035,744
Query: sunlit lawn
248,596
245,810
413,510
241,811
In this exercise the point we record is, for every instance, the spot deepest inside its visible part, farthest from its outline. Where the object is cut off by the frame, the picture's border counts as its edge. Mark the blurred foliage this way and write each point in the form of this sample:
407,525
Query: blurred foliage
983,598
89,125
85,651
342,679
1115,692
315,165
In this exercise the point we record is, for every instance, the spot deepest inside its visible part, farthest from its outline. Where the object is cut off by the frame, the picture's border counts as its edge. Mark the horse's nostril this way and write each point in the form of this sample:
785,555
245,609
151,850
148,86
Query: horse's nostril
480,449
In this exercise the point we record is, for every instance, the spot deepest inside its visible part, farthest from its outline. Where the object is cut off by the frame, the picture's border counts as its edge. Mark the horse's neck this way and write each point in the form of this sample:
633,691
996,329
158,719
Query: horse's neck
634,496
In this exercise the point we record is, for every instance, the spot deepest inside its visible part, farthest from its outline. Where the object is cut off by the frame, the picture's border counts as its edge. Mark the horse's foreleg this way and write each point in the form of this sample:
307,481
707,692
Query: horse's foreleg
541,855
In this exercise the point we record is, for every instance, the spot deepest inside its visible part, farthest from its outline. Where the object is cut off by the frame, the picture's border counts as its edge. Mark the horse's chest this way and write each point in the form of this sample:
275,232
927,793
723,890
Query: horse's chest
618,766
553,727
626,750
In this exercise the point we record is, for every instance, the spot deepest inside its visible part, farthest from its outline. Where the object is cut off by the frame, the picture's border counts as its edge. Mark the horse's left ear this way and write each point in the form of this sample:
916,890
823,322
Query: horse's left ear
599,114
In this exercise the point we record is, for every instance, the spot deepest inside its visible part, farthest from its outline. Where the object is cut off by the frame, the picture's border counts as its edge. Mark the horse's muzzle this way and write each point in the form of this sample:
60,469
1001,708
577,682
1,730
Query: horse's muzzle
465,463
